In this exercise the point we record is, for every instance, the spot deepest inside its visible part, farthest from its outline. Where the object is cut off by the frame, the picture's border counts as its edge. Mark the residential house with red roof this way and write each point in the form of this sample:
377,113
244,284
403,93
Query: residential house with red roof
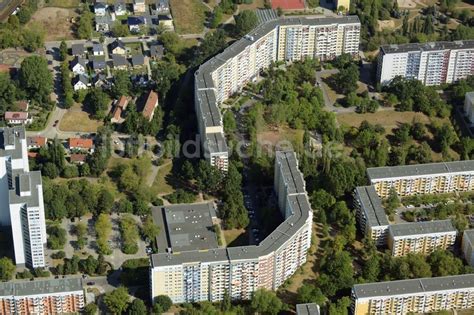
17,118
120,106
150,105
81,144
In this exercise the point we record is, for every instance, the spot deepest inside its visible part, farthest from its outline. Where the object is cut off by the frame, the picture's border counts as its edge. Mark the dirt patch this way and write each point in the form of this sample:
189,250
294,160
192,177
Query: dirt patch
56,22
281,137
388,24
13,57
78,120
410,4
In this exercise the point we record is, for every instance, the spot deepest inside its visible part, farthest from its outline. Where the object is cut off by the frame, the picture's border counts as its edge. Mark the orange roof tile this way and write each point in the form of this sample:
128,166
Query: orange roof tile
78,157
37,141
150,105
80,143
16,116
122,102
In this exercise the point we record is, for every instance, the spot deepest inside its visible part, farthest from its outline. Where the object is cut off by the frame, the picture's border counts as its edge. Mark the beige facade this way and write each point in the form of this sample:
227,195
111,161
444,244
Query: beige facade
287,39
191,276
420,244
42,297
431,184
419,296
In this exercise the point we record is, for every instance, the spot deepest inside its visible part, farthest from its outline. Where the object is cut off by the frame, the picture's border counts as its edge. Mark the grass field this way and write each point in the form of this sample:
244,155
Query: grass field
63,3
161,184
236,237
56,22
188,15
390,120
134,48
78,120
271,138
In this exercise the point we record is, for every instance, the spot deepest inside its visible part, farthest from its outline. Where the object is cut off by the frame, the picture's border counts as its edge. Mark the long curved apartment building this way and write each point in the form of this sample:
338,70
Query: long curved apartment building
197,274
283,39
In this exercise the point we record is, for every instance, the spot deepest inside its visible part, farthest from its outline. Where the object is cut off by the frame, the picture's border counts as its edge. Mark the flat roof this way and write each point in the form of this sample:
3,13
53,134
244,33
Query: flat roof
413,286
469,235
207,101
215,143
185,227
26,182
37,287
420,228
291,174
210,113
10,144
300,210
372,206
431,46
307,309
377,173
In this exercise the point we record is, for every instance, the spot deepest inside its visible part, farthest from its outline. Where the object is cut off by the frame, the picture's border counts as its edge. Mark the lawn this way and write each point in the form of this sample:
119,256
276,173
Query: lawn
269,139
188,15
161,185
390,120
78,120
63,3
236,237
134,48
256,4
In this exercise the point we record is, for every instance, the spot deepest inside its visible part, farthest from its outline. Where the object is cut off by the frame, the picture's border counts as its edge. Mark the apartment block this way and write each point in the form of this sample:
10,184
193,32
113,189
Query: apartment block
468,110
419,296
282,39
191,267
370,214
45,297
420,237
468,246
21,199
430,178
432,63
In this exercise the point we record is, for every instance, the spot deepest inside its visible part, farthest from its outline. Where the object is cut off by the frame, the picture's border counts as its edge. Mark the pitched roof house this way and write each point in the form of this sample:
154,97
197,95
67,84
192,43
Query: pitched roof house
150,105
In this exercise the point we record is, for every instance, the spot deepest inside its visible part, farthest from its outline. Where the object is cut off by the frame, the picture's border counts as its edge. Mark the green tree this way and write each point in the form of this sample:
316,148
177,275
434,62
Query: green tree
171,42
137,307
122,84
97,101
84,28
346,79
444,263
245,21
63,50
166,72
35,78
162,303
117,300
81,233
308,293
91,309
89,265
7,269
266,302
120,30
149,229
341,307
57,237
103,229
